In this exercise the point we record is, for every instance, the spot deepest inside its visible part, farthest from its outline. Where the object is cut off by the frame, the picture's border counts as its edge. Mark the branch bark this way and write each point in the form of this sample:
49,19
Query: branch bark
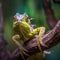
50,39
50,17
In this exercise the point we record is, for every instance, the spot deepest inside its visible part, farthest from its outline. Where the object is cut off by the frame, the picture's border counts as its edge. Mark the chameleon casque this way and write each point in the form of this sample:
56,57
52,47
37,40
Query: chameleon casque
24,31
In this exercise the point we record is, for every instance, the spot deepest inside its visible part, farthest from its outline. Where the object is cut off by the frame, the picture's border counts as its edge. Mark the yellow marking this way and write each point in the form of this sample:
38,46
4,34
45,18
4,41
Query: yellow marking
41,33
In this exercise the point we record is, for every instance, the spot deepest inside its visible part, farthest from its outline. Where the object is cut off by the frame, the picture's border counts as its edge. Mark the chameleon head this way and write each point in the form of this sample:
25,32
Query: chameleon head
21,21
18,17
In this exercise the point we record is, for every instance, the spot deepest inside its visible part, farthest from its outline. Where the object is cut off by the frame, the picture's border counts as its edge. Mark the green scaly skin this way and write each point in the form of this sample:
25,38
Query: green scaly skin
24,32
22,28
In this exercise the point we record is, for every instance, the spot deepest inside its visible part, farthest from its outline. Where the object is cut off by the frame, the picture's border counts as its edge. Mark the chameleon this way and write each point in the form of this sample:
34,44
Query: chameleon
24,31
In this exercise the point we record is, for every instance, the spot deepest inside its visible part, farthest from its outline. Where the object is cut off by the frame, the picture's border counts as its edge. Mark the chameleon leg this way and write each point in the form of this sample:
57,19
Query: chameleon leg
41,33
39,41
15,38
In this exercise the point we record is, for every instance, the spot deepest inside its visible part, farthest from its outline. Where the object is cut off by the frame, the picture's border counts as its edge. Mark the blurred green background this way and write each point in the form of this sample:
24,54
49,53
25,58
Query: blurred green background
34,9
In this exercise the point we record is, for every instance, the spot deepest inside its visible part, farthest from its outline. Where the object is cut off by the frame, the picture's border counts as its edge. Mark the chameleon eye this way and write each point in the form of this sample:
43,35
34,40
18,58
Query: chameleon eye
14,18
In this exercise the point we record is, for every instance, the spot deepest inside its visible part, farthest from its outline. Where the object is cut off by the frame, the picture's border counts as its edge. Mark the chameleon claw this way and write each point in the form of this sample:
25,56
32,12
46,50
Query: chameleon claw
24,52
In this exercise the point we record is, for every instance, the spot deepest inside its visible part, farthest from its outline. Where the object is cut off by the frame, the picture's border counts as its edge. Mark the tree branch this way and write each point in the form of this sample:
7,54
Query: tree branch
50,39
50,17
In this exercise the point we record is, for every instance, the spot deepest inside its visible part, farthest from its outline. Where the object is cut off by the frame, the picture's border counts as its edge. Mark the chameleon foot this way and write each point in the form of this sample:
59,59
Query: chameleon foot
23,52
41,34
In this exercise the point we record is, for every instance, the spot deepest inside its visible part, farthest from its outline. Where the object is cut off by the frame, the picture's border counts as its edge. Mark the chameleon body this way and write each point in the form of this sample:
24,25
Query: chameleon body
22,28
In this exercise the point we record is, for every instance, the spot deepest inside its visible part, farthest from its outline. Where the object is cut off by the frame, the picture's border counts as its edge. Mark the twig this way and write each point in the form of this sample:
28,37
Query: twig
50,17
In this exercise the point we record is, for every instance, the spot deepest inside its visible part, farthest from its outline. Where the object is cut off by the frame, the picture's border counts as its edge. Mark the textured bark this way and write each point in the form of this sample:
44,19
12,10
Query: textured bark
50,39
50,17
